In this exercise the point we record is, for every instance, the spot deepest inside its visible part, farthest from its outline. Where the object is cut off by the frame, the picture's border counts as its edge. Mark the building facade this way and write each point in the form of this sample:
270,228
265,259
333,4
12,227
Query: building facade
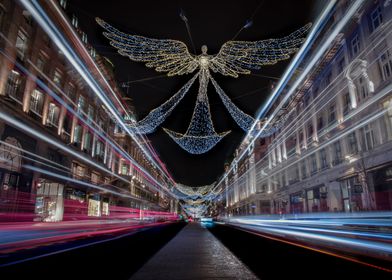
60,154
333,153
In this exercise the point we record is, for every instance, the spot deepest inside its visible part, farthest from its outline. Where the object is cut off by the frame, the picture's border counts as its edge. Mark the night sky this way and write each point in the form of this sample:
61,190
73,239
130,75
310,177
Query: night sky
212,23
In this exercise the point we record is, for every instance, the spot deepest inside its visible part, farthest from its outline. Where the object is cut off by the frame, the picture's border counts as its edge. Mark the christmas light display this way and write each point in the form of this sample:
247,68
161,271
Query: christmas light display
157,116
200,136
173,57
243,120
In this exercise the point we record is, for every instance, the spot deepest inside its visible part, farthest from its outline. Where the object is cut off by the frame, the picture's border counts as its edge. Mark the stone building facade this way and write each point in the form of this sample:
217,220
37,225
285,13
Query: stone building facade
334,151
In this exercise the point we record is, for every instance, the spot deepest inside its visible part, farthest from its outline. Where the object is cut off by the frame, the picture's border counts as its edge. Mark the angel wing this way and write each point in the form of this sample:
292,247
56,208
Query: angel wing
170,56
240,57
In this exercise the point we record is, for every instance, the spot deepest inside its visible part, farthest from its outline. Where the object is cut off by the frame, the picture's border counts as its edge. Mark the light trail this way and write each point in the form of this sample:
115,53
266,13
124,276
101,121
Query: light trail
300,121
365,234
40,16
296,60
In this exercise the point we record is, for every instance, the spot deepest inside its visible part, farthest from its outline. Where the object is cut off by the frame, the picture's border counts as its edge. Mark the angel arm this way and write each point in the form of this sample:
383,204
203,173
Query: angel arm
240,57
170,56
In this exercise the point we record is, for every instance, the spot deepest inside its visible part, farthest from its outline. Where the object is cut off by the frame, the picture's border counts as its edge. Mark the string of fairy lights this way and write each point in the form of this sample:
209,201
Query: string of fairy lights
173,57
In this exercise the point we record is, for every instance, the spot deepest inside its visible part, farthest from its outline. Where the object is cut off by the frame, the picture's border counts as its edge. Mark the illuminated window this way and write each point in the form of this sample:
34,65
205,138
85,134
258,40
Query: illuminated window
77,134
57,78
75,21
53,114
84,37
36,101
81,104
63,3
87,141
90,113
41,62
14,87
21,45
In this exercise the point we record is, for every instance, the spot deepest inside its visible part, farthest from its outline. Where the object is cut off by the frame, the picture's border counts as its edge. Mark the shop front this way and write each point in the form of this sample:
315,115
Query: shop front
49,201
296,203
382,180
316,199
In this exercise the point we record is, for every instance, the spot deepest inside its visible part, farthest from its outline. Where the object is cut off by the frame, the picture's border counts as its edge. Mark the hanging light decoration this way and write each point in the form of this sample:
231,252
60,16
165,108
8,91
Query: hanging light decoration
157,116
173,57
200,136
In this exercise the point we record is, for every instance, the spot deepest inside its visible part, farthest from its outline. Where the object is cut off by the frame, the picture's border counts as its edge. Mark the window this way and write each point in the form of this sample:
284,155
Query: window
63,3
338,153
93,53
332,113
388,117
21,45
375,18
77,134
36,102
41,62
369,137
303,169
301,139
90,113
99,149
81,104
57,78
84,37
75,21
124,169
310,131
346,103
323,159
313,162
71,92
352,143
355,45
78,170
362,88
341,65
14,87
53,114
386,65
87,141
320,123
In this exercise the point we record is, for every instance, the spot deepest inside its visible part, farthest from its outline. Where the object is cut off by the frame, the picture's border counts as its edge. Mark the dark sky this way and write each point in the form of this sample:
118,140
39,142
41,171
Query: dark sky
212,23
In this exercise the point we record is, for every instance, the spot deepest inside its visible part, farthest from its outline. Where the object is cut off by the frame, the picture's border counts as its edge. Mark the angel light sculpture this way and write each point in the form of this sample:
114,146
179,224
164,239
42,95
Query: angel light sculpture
173,57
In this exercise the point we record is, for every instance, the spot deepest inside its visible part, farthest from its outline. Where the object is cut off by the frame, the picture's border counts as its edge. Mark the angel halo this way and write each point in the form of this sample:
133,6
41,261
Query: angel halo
173,57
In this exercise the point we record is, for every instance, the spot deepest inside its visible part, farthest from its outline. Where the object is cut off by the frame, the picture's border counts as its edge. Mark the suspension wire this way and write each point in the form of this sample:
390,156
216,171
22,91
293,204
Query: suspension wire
248,22
188,28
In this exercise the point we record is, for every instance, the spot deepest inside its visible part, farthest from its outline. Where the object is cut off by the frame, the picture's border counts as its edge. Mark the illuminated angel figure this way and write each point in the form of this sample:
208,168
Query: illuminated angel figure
173,57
